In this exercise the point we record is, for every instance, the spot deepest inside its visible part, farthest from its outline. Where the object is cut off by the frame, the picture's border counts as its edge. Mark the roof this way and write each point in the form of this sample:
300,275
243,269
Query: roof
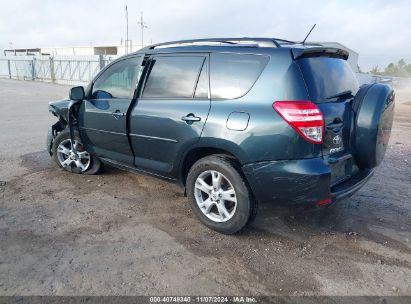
231,41
243,45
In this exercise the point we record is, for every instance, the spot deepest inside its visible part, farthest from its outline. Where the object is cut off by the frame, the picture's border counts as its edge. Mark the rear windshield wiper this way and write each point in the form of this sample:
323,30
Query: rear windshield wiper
347,94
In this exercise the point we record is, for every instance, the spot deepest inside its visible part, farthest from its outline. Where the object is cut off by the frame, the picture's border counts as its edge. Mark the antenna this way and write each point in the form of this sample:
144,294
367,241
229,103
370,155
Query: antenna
308,34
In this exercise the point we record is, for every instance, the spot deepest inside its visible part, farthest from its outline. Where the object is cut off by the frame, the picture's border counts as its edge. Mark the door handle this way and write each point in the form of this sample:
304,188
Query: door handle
118,114
190,118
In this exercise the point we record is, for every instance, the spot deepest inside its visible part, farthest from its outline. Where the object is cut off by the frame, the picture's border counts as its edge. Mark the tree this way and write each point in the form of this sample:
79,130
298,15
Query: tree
375,70
401,64
391,70
399,69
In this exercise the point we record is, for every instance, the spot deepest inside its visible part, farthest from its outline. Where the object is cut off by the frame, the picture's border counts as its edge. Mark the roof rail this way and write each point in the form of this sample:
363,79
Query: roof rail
245,41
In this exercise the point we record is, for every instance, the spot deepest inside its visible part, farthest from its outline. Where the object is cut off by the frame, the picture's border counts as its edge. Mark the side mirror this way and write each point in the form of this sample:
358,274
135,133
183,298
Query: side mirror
77,94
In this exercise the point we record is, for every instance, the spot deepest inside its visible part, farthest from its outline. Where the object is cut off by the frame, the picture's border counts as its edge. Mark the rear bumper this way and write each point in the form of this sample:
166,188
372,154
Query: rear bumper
305,181
349,187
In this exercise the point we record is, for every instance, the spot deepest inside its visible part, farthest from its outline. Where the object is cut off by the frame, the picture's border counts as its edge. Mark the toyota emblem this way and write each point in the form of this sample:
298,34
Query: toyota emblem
337,140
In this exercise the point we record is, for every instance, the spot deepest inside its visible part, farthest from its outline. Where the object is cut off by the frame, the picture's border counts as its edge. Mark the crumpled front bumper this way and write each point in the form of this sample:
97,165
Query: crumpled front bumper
52,133
49,141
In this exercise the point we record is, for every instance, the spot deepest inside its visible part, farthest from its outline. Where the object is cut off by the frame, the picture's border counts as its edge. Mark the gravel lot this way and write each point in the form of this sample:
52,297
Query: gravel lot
125,234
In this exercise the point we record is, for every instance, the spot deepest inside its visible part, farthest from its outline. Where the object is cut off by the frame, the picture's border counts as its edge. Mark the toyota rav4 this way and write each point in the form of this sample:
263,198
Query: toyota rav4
235,121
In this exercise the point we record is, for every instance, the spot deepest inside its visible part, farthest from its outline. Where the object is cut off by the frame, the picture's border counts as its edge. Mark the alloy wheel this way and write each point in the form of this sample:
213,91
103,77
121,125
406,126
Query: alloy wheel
215,196
67,157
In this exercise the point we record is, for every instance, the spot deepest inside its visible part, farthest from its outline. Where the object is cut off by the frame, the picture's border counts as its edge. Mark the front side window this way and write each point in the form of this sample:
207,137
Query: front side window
233,75
118,81
173,77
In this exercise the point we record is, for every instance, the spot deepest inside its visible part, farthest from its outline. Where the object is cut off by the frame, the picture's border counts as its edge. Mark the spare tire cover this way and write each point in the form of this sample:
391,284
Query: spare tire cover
374,105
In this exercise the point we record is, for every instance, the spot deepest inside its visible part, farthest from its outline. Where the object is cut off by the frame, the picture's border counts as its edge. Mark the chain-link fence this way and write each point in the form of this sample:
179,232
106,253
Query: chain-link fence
80,70
396,82
73,70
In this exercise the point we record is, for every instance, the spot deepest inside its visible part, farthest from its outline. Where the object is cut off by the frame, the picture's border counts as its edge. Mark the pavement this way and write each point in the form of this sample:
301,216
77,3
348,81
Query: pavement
120,233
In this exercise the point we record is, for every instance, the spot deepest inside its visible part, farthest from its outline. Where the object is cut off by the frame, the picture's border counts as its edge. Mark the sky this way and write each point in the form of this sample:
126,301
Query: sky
379,30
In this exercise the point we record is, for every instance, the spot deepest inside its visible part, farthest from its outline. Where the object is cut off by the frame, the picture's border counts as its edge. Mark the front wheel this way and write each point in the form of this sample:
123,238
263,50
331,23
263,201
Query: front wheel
80,162
219,194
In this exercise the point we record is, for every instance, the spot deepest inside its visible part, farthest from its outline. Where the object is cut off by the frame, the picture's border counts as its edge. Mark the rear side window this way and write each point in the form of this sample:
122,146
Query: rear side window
173,77
326,77
233,75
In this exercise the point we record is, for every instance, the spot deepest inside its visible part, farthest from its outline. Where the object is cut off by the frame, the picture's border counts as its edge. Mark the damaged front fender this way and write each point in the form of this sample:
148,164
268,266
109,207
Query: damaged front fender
60,108
52,133
65,110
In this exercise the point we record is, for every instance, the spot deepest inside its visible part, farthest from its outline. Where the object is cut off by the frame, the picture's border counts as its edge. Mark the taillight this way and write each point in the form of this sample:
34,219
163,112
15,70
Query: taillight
304,117
324,202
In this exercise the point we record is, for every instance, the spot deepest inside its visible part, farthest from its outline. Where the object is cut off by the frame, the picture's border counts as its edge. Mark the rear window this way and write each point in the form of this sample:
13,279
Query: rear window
326,77
233,75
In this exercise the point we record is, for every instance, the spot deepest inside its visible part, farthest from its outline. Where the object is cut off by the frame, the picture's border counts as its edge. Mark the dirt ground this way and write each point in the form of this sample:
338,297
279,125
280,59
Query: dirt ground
125,234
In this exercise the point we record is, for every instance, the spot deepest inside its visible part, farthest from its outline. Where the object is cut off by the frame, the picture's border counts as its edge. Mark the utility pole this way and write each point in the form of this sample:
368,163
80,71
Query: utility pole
126,43
142,25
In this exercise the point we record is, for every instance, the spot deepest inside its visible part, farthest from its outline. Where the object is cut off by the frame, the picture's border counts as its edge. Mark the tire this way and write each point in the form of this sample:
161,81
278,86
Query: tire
374,105
239,213
91,165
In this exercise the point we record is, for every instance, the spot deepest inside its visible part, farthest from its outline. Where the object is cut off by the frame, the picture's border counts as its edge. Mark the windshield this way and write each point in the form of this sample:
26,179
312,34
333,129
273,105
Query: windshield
327,77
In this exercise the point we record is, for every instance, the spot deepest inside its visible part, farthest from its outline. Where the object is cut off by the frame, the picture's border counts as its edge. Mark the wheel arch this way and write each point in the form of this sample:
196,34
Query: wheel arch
197,153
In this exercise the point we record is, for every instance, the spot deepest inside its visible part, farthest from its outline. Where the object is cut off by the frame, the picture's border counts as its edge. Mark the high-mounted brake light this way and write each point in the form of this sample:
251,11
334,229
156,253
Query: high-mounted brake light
304,117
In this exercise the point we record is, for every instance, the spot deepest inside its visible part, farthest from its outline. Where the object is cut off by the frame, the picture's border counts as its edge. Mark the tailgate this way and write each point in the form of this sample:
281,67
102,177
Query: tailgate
331,84
338,135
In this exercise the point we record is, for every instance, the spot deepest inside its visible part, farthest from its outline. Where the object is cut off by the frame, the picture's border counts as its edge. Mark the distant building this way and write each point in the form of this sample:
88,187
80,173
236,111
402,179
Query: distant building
35,51
74,50
121,50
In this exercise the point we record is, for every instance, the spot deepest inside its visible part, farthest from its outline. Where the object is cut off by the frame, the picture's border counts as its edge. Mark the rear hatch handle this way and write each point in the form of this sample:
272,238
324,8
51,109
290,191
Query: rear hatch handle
345,94
336,125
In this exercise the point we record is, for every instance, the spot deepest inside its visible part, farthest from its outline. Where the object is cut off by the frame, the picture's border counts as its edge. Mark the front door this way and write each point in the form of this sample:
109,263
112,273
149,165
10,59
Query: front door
170,113
103,116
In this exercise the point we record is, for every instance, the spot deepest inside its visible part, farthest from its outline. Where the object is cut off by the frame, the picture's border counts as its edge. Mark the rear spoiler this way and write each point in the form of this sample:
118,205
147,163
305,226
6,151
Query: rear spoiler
319,52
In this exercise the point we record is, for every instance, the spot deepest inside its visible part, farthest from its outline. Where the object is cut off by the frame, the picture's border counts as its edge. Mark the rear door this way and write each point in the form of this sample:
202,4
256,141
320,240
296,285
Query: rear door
171,110
332,84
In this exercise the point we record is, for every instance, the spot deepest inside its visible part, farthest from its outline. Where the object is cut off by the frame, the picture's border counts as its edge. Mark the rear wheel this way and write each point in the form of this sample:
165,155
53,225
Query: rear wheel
80,162
219,195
